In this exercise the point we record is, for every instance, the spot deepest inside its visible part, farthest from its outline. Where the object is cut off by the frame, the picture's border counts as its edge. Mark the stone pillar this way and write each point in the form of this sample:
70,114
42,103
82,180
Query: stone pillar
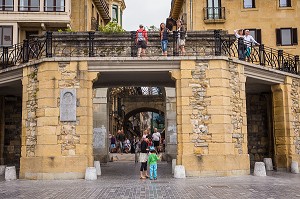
55,146
286,108
170,126
100,125
211,118
1,129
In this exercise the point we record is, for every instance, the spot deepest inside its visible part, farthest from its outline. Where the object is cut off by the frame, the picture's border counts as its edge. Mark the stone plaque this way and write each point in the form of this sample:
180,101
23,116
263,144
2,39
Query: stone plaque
68,105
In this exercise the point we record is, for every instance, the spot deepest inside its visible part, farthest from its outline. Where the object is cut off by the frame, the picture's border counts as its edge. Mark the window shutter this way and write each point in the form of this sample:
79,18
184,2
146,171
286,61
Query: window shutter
278,37
253,4
288,3
258,35
294,36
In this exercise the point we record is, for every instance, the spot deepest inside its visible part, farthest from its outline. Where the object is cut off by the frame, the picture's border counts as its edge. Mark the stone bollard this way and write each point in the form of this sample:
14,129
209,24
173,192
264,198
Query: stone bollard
179,171
294,167
2,169
10,173
259,169
269,164
90,173
173,165
98,168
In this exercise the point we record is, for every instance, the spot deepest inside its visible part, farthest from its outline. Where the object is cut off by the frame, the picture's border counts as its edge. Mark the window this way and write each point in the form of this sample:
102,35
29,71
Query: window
54,5
256,34
213,9
286,36
249,3
6,5
285,3
29,5
115,13
6,35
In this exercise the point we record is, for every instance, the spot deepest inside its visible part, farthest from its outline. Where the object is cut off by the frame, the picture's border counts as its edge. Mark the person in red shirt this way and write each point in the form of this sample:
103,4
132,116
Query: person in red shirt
141,41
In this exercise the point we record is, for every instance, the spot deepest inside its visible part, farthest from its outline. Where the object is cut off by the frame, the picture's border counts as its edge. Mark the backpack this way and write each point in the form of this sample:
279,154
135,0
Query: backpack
140,36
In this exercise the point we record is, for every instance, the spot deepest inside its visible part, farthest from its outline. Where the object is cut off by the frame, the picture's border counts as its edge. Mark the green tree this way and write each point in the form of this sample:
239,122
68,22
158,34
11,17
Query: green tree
111,27
152,28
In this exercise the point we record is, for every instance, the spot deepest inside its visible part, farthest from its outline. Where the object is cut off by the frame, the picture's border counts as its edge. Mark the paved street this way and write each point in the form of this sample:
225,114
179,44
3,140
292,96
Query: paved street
121,180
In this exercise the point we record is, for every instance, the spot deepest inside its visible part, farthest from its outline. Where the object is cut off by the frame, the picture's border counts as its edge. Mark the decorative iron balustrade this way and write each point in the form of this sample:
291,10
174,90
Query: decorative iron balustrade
98,44
213,13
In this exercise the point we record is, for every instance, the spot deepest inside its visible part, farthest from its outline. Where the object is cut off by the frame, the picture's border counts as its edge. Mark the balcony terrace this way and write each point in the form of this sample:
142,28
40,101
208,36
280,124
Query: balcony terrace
97,44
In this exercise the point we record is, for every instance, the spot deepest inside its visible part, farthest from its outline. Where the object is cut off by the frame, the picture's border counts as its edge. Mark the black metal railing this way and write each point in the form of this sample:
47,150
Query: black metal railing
212,13
258,54
98,44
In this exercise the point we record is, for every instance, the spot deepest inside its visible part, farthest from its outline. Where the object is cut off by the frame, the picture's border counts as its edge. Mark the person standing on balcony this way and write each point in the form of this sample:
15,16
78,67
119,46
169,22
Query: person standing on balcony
241,46
164,32
141,41
249,40
181,37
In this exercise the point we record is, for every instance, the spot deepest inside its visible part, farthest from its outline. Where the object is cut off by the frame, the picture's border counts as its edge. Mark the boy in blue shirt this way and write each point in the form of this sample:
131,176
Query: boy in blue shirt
152,160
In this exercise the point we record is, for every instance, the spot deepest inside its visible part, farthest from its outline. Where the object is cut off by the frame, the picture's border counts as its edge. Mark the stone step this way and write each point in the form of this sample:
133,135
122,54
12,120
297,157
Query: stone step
121,157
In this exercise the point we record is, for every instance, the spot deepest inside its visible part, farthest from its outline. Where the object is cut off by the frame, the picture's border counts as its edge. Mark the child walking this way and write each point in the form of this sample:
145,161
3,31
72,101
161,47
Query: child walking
152,159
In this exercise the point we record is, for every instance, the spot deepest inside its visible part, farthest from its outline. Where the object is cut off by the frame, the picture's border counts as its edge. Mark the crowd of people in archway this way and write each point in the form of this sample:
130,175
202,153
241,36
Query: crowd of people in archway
121,143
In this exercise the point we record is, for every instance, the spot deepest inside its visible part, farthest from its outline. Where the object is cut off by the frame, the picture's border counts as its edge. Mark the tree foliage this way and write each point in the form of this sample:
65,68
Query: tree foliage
111,27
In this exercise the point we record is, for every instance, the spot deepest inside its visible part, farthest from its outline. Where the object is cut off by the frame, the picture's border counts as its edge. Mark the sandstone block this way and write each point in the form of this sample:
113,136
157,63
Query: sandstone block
98,168
294,167
259,169
2,169
10,173
269,164
179,172
173,165
90,173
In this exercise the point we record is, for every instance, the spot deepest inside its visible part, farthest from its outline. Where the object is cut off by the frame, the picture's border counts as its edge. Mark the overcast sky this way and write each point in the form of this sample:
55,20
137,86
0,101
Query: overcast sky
146,12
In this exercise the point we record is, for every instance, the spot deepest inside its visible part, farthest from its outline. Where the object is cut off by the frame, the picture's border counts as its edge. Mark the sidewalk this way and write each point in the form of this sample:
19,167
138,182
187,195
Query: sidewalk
121,180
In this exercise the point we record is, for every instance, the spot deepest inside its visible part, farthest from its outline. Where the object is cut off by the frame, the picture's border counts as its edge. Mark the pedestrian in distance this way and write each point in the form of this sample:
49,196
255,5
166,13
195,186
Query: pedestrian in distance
141,41
164,33
152,160
156,138
144,158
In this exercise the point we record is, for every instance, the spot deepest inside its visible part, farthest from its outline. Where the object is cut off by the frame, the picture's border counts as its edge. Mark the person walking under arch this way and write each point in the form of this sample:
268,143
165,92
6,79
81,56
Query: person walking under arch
144,158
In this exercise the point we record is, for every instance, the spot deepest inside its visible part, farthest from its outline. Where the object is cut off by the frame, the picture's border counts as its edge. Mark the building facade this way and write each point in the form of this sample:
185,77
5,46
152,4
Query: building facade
20,19
271,22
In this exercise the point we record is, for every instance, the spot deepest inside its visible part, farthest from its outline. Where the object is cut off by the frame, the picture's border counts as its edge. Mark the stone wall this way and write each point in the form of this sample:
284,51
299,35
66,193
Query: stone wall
12,131
259,137
295,97
211,118
56,148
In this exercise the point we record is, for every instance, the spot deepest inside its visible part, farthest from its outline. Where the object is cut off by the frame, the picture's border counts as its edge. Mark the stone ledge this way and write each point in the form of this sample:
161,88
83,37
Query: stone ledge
54,176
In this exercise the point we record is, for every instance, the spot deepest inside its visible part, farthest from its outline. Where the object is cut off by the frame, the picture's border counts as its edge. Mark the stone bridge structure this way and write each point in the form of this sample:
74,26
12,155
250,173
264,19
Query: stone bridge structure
222,114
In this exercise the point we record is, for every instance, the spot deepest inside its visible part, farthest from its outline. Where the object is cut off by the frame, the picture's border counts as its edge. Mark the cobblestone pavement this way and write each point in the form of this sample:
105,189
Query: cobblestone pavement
121,180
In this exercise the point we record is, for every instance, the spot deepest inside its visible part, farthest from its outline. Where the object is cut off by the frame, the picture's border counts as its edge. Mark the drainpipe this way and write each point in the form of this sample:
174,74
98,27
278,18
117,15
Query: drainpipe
86,15
191,14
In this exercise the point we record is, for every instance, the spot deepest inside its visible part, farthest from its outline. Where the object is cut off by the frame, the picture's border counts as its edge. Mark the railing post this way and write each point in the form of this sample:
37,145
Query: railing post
133,45
49,44
217,43
91,43
296,63
5,57
262,60
25,50
241,49
175,43
280,59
